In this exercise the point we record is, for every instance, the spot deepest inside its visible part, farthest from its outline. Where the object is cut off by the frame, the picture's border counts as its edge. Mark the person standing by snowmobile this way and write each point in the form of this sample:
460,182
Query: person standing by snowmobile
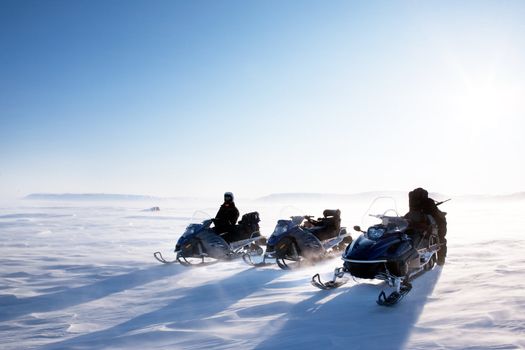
421,205
226,218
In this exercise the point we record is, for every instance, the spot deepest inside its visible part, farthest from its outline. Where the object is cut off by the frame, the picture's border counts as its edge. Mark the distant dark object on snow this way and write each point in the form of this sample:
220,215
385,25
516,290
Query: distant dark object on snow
152,209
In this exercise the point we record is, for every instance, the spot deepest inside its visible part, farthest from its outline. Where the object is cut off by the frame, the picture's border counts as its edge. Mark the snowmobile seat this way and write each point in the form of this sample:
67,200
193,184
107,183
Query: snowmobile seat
332,212
250,218
246,227
328,226
331,219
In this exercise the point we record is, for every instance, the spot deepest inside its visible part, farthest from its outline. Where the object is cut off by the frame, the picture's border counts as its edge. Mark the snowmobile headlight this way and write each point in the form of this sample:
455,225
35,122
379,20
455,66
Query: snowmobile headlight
375,232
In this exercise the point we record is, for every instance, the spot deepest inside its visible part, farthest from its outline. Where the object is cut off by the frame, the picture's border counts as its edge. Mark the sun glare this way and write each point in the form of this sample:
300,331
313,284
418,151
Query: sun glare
483,107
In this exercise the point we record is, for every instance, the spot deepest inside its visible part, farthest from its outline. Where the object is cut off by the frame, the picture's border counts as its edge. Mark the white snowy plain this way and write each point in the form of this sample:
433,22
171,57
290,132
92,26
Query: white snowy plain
81,275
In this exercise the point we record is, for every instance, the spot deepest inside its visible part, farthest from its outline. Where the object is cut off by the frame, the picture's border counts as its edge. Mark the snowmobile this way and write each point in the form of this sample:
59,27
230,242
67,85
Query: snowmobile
200,244
391,251
304,239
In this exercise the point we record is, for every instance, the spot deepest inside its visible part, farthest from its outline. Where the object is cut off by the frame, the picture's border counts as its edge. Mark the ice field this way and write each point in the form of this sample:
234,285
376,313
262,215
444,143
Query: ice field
81,275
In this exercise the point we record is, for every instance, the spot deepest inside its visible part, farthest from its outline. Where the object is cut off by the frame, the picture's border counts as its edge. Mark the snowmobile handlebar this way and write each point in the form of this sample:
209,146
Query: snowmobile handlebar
379,216
311,219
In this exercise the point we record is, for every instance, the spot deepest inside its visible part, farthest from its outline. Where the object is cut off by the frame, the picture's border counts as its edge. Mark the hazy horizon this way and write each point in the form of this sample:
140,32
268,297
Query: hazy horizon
269,196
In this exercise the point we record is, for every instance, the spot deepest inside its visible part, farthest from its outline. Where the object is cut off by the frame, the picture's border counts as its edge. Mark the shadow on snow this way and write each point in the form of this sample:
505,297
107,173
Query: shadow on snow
176,323
350,318
78,295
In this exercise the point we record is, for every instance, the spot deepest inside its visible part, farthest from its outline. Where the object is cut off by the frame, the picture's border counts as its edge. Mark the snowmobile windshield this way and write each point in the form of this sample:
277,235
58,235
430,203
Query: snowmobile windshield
281,227
191,229
381,207
297,220
284,226
200,216
394,224
389,224
290,212
290,217
199,221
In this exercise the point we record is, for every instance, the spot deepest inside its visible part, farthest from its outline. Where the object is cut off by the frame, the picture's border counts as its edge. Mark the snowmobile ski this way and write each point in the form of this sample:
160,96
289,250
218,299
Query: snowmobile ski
159,257
394,297
332,284
247,257
185,262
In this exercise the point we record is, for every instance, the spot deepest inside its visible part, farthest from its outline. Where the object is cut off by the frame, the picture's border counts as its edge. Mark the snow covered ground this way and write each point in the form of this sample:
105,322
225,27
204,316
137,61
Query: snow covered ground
81,275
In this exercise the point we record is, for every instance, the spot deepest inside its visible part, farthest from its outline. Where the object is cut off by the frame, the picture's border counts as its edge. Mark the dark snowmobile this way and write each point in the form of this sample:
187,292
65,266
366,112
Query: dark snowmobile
390,251
200,244
304,239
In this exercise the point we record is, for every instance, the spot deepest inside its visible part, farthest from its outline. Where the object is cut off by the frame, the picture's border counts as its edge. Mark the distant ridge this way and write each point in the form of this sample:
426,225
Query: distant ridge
274,197
286,197
89,197
512,196
283,197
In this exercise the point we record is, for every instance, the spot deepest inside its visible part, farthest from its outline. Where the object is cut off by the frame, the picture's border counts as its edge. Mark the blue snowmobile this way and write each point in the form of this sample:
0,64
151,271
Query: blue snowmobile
391,251
200,244
303,239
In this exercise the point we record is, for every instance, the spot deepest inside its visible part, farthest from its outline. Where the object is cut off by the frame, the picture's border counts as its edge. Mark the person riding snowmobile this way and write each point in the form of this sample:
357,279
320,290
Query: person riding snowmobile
420,205
226,218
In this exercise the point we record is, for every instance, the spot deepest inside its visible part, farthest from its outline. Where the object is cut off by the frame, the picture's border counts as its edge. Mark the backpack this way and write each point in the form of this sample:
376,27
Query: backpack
249,223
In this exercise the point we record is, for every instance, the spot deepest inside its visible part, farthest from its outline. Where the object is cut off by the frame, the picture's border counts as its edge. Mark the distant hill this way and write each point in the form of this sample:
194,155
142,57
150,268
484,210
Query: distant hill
315,197
481,197
104,197
369,196
518,195
89,197
274,197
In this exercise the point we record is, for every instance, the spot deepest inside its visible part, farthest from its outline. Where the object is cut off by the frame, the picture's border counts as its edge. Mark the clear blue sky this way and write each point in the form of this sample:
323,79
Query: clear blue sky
199,97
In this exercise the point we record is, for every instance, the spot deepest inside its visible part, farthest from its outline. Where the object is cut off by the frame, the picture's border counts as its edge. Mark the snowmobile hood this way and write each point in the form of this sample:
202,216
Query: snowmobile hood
283,229
366,249
191,231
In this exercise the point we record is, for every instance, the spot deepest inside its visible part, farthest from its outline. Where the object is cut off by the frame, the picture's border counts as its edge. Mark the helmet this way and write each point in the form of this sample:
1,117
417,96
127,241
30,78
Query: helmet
228,197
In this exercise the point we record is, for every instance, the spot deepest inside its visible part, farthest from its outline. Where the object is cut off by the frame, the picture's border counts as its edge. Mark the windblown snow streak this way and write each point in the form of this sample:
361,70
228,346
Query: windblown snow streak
83,277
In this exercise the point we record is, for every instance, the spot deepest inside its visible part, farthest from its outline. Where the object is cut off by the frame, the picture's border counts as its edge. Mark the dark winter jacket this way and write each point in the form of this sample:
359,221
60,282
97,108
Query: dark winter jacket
421,205
226,218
